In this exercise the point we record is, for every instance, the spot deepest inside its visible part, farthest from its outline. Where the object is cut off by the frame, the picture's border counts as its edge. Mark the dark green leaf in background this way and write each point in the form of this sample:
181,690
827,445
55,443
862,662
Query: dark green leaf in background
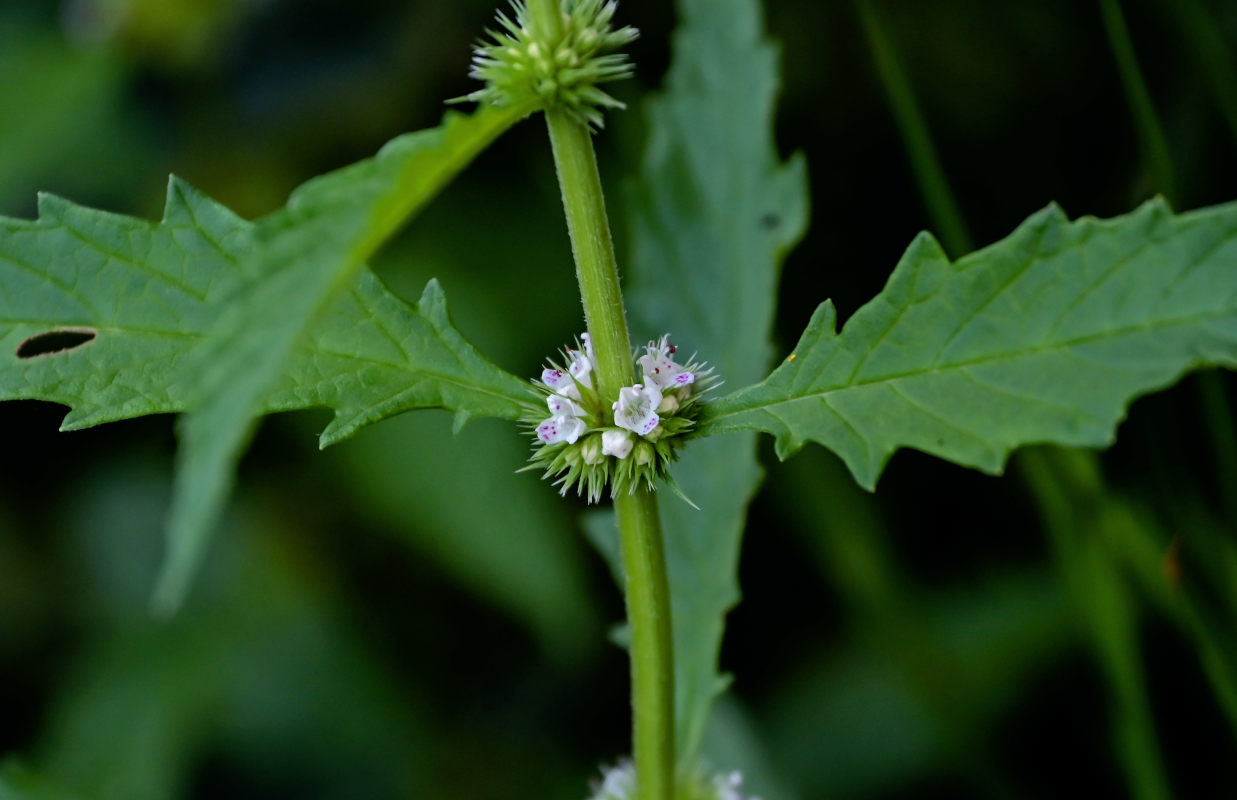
19,783
1045,336
712,213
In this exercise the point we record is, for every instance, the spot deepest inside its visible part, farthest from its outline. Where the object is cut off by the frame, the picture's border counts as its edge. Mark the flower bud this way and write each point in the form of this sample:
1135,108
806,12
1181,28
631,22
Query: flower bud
593,450
644,453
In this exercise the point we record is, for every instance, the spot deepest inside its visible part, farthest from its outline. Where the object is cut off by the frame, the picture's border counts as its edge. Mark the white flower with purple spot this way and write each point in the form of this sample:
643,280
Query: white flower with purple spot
636,408
561,428
659,369
560,382
581,366
622,441
562,405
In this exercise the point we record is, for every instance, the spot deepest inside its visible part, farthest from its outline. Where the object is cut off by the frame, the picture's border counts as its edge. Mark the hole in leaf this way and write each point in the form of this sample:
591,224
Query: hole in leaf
58,341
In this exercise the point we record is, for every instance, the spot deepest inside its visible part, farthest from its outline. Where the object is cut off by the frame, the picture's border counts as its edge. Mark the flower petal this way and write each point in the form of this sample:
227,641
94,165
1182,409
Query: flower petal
561,428
636,409
616,443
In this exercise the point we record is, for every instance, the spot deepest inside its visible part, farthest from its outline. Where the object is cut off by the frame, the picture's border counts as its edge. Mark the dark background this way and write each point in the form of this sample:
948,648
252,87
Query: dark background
401,616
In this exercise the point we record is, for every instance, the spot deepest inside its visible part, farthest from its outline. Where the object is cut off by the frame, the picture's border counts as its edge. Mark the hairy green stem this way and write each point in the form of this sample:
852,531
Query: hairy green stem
652,650
593,249
647,586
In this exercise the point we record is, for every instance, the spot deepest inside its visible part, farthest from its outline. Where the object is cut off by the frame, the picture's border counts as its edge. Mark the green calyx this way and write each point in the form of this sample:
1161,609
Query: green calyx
518,65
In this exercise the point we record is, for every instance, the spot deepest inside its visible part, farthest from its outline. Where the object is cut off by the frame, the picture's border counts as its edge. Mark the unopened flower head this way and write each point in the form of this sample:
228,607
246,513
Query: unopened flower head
591,444
519,65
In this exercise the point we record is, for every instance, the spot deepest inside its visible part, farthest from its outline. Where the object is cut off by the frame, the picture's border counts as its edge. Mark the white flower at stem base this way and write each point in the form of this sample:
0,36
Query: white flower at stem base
659,369
566,406
561,428
579,372
616,443
636,408
581,367
560,382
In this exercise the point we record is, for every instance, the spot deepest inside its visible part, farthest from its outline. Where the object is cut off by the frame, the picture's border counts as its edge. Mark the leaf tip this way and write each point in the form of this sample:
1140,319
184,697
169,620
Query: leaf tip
462,418
52,206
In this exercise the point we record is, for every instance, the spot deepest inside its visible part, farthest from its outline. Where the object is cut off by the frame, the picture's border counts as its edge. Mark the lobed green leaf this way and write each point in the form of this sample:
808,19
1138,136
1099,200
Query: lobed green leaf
304,256
132,305
1045,336
145,296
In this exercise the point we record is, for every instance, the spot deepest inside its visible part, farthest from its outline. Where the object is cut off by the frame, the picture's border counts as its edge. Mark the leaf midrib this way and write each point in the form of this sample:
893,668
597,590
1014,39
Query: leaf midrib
960,365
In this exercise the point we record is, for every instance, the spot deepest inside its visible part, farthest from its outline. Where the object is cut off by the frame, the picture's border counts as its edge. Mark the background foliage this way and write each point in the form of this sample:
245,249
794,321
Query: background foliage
402,616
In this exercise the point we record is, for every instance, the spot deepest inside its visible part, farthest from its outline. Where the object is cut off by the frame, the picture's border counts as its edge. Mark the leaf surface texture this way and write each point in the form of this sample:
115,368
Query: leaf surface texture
1045,336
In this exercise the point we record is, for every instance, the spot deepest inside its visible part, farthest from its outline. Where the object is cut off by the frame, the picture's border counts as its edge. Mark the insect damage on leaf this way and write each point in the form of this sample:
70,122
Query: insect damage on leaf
56,341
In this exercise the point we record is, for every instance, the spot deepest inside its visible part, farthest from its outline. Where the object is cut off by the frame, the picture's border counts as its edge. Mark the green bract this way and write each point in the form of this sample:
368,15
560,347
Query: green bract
519,66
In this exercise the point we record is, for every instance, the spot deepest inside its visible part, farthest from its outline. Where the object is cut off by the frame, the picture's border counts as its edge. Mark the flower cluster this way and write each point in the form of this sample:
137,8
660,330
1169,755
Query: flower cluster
519,66
619,783
589,442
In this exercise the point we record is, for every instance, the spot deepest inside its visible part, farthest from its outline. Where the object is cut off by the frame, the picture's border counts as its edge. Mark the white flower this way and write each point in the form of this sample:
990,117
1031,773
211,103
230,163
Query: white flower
618,783
561,428
616,443
636,409
660,369
727,787
581,366
560,404
559,381
579,372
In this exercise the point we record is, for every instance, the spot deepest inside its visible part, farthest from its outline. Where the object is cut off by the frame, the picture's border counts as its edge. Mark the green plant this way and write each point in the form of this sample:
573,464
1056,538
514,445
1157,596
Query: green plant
1045,336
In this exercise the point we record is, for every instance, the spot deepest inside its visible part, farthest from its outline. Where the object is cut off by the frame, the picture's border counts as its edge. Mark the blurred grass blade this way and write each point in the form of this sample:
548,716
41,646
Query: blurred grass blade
1150,133
19,783
712,213
1207,42
305,255
1076,514
1045,336
938,198
1212,394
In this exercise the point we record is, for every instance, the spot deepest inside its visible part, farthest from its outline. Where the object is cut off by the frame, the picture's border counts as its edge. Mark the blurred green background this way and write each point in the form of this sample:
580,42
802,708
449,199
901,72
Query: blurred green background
401,616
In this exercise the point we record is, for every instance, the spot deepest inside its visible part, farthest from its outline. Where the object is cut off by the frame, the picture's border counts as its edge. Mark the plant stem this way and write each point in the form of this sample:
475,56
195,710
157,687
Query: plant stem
652,652
646,584
593,249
